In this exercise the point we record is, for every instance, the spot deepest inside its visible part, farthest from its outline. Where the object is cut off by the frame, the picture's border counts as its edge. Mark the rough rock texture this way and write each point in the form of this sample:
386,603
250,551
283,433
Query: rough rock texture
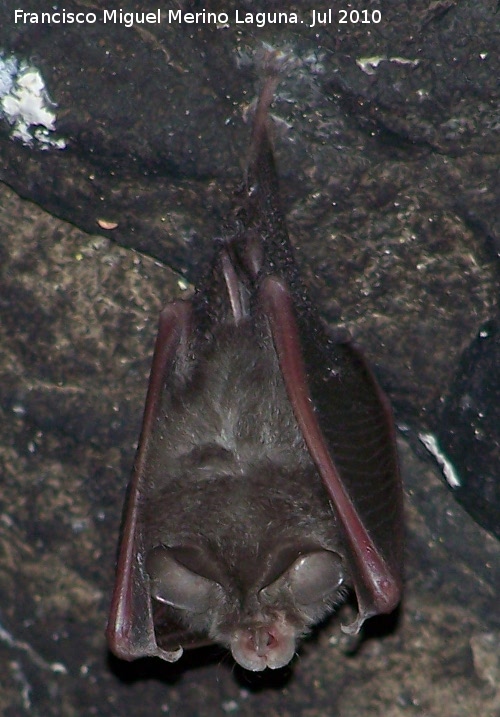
389,180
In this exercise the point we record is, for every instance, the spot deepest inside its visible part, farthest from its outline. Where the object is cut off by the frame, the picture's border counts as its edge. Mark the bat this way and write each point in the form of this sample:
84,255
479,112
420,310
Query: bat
266,483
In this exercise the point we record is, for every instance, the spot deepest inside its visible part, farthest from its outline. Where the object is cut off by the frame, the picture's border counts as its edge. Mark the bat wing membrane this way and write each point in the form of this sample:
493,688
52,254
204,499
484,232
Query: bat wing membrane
358,492
130,632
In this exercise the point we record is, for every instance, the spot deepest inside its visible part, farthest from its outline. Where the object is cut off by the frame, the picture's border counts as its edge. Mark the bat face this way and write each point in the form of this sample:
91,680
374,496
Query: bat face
266,483
260,626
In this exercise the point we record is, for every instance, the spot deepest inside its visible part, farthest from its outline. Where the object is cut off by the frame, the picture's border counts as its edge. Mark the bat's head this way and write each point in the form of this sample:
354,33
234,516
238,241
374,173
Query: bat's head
259,613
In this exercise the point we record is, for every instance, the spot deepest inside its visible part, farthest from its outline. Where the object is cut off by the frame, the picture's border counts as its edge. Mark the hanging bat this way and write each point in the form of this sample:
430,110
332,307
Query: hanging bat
266,481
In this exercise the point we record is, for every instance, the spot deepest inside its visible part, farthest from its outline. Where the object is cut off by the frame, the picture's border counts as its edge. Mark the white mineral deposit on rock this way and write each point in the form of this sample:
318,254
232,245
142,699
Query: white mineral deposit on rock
25,104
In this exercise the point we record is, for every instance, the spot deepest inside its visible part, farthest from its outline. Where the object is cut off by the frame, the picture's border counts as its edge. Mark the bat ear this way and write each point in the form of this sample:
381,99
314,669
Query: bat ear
312,578
176,585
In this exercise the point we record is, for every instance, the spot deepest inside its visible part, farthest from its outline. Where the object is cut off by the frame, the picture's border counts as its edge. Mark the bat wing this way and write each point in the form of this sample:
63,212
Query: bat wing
343,415
130,632
347,426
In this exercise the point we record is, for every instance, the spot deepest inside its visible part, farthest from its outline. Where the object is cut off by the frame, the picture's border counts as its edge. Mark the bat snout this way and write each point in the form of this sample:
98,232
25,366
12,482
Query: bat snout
263,640
269,645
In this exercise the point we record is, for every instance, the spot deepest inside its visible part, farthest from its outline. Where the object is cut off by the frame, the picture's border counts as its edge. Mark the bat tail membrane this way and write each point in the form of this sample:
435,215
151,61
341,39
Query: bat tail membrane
130,631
